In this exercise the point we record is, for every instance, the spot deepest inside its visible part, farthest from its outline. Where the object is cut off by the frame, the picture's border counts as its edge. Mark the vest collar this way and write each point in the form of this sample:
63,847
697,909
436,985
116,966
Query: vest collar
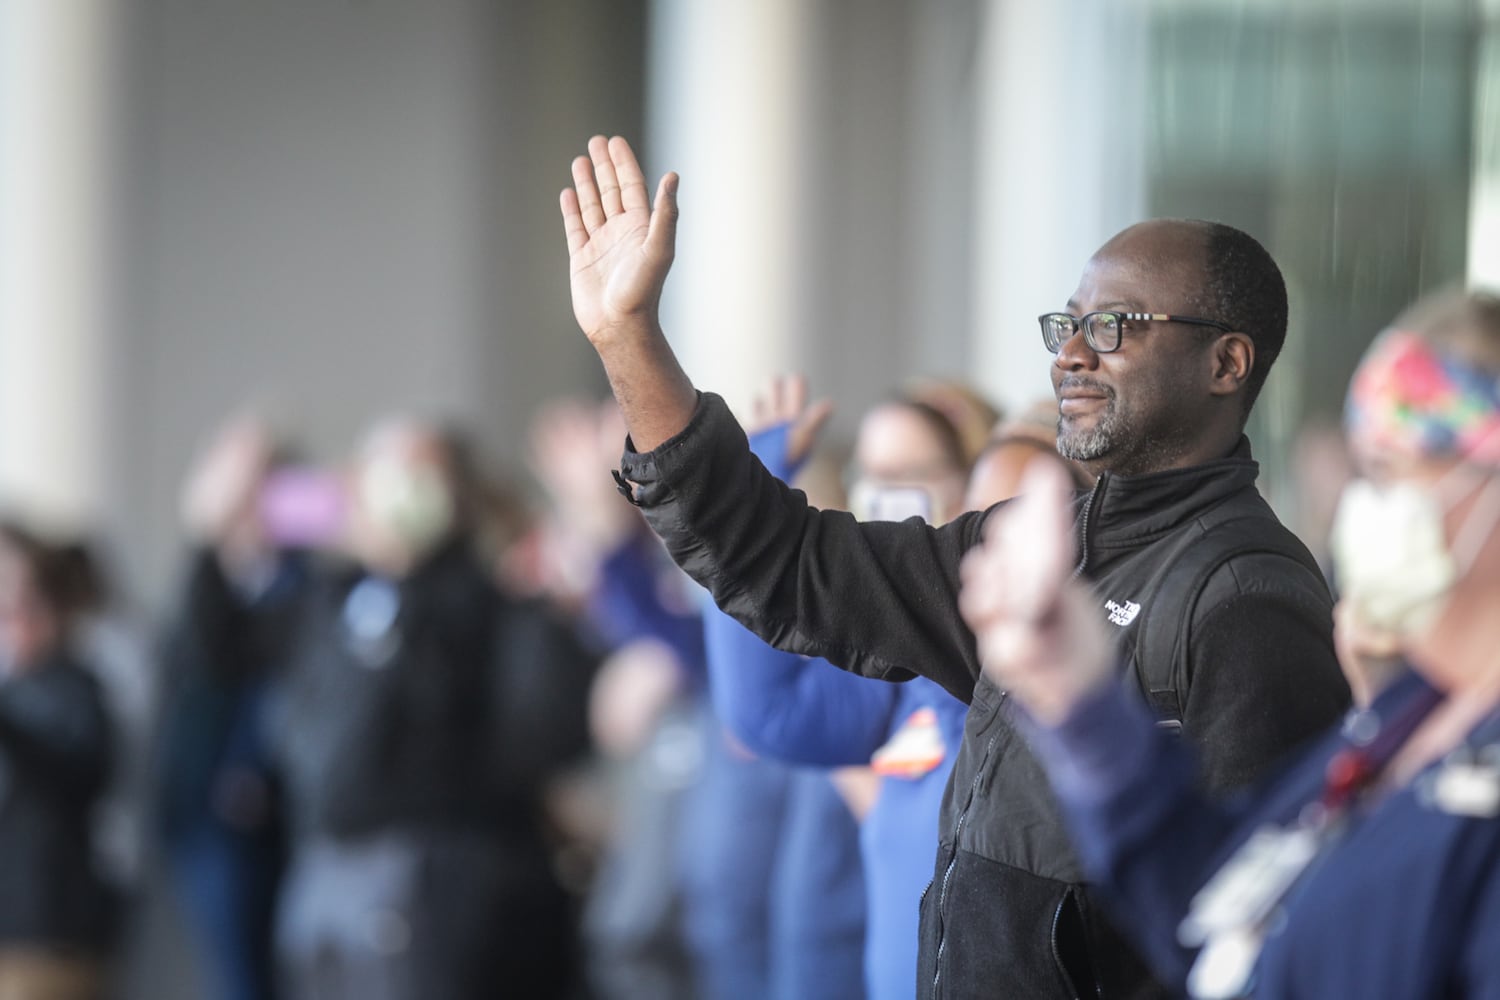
1129,511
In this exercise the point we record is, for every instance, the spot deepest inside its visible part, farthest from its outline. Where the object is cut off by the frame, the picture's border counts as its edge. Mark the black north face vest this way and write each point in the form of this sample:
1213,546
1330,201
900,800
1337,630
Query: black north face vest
1006,914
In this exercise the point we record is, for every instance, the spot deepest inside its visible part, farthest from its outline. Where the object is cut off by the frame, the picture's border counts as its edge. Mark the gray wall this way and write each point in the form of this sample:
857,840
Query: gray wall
338,209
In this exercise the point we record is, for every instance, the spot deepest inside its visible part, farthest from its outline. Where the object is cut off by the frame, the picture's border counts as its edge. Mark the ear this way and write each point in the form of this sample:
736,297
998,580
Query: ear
1233,361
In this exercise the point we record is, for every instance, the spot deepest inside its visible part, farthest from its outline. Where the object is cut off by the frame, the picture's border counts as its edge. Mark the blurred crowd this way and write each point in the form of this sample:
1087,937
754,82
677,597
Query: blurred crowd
410,731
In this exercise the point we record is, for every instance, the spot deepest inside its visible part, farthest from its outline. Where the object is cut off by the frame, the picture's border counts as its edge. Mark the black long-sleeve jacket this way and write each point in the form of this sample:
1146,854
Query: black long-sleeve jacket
1006,915
456,716
54,758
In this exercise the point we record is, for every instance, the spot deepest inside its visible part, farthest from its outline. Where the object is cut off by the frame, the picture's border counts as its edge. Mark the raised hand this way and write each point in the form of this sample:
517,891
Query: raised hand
221,492
1040,634
620,247
783,400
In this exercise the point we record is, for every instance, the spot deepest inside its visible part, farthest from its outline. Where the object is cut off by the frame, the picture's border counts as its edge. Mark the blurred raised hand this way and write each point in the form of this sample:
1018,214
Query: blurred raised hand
784,400
1040,633
220,504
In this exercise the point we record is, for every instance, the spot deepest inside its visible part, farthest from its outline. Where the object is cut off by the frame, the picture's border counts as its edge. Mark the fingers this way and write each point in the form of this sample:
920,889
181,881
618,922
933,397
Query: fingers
769,407
982,599
1035,534
816,416
1027,555
633,194
762,409
587,195
783,400
1039,634
793,396
604,175
661,238
788,397
608,182
805,430
573,226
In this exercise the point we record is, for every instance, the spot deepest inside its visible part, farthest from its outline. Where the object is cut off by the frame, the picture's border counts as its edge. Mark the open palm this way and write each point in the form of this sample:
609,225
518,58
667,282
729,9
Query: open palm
620,246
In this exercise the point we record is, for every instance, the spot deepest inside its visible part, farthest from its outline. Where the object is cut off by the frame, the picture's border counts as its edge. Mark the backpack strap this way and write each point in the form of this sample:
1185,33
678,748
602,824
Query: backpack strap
1164,634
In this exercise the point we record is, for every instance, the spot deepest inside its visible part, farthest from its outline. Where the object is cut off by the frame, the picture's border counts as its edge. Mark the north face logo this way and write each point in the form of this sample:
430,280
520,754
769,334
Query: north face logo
1122,613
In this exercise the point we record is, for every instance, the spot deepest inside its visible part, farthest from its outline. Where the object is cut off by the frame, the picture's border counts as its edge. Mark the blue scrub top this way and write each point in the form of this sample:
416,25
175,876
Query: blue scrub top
1405,902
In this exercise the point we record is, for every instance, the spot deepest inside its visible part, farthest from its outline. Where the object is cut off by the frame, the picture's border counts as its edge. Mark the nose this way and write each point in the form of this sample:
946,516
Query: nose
1076,354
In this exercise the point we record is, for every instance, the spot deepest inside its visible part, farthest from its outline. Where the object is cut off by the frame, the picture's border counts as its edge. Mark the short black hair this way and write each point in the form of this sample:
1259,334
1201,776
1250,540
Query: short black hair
1243,287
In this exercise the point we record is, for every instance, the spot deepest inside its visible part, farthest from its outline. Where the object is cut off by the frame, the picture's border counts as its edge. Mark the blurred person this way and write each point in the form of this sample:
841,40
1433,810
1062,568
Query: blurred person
1157,361
649,729
510,541
909,460
421,717
817,912
217,800
971,416
577,802
683,905
1321,467
56,911
1367,866
113,645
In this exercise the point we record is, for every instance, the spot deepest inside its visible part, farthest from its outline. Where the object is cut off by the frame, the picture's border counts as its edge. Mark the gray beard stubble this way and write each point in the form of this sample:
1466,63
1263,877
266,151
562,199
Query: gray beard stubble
1092,444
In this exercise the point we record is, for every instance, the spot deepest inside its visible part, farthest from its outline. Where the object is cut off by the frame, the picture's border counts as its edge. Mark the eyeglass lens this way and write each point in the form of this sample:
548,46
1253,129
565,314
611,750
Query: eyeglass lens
1101,330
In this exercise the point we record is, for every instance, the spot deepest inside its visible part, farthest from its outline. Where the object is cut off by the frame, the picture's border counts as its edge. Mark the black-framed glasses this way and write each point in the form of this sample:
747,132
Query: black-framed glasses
1102,329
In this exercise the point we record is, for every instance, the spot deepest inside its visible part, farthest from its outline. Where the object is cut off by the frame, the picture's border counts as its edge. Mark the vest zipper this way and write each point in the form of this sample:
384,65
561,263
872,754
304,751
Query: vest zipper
1057,952
958,829
1083,525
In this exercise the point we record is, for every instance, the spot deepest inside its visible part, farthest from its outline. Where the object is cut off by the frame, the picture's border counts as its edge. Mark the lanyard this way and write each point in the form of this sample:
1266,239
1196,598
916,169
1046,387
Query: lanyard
1232,914
1352,769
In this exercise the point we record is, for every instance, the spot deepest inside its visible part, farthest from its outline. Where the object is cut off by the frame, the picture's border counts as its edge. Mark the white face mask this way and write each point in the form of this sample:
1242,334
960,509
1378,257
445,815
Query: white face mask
410,504
869,501
1392,561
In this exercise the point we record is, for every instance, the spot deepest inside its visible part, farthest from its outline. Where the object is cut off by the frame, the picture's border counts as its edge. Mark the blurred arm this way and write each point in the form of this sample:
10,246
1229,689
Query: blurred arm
786,706
783,705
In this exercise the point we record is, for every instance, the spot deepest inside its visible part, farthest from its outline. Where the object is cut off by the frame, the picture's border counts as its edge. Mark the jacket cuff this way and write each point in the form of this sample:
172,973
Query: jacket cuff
645,478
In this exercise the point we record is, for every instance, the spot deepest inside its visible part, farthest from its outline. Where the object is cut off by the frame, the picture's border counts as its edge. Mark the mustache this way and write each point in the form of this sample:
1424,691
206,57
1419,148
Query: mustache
1076,382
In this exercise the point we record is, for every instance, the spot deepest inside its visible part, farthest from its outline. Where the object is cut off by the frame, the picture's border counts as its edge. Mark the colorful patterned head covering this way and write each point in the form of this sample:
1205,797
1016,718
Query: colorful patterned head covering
1412,398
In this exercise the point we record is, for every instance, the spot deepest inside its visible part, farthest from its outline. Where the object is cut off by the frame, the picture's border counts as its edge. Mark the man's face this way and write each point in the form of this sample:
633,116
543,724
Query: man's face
1139,408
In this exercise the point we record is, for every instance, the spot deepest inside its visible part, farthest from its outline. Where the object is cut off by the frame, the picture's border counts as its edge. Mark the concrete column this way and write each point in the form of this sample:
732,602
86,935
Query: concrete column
57,62
1059,169
725,84
1484,196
